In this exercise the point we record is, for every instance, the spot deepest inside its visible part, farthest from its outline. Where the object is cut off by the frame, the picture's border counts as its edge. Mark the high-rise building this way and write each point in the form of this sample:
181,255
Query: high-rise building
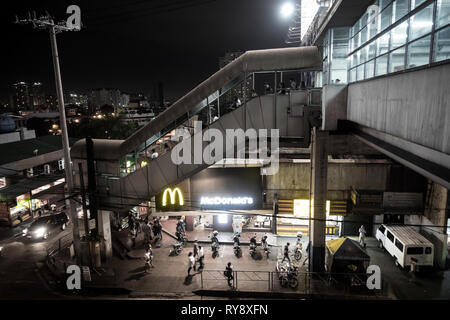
37,96
21,96
104,96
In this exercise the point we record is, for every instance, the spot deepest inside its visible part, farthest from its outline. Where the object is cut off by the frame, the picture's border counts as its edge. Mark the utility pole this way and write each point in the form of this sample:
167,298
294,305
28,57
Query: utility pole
46,22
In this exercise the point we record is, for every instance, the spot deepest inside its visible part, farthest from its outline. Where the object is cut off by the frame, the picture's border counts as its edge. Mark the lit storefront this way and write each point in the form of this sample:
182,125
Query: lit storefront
293,216
19,203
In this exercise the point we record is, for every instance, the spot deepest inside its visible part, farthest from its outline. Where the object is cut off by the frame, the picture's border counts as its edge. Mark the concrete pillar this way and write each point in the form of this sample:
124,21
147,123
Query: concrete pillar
190,223
104,229
435,221
153,205
319,168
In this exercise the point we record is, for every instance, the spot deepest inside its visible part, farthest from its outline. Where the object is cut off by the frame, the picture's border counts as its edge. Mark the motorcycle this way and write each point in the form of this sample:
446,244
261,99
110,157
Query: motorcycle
215,245
215,249
265,246
177,248
298,251
237,247
252,250
287,275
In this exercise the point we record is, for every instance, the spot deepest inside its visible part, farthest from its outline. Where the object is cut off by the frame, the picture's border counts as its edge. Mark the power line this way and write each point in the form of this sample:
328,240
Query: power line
138,14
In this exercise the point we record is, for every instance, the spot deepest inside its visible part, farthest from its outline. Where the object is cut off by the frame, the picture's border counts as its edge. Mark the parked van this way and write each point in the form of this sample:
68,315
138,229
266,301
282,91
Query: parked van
406,245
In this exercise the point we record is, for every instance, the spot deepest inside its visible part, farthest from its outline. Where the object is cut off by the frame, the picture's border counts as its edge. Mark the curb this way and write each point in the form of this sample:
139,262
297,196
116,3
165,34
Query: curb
281,295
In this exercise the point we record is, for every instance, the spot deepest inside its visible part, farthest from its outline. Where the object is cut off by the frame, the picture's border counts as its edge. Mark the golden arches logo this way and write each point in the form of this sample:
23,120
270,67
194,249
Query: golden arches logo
172,193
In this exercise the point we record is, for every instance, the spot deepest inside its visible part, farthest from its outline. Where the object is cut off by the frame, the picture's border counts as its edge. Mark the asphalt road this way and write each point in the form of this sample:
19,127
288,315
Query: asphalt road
19,276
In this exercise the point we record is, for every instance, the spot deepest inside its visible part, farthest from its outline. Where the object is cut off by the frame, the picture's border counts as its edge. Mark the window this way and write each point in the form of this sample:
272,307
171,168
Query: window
363,36
443,13
399,245
386,18
384,3
400,9
416,3
421,23
397,60
414,250
381,65
353,75
371,50
363,55
390,236
419,52
382,229
355,41
372,23
442,45
383,44
427,250
399,35
360,72
370,69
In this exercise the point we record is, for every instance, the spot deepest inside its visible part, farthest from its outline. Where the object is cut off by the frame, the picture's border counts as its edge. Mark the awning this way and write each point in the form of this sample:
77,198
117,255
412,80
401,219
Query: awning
26,186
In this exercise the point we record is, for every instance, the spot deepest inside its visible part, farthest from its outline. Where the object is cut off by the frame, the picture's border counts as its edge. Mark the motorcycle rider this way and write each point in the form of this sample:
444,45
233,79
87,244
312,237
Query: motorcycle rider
253,244
215,241
236,242
265,245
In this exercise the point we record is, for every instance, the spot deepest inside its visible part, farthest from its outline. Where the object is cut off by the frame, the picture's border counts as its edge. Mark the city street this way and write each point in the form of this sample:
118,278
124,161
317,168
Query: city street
19,275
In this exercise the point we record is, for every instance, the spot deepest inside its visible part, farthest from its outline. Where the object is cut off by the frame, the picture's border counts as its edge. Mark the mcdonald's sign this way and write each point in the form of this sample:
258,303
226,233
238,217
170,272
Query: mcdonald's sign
172,194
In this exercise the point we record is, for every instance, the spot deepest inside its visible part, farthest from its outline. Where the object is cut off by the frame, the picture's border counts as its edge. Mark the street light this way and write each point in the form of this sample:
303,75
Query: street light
287,9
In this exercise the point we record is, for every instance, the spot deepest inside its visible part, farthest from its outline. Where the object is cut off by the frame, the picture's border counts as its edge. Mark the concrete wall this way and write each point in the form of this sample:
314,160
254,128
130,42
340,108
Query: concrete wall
292,179
414,106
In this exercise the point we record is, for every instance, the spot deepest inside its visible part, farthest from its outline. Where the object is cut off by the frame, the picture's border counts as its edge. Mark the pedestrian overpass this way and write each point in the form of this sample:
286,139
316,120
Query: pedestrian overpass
126,172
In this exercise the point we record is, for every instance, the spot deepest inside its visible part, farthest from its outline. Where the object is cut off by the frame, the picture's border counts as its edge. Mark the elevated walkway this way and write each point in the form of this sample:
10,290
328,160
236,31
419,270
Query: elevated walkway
293,114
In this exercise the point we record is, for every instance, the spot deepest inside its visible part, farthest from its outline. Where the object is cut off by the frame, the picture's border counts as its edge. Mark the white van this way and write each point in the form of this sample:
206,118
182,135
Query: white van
406,245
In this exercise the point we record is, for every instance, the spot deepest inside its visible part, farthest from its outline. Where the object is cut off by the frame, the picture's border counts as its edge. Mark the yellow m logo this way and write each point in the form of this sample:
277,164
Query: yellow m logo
172,193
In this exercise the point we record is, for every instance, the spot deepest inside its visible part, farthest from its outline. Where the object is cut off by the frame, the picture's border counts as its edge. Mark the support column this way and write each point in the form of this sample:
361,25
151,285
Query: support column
104,229
319,168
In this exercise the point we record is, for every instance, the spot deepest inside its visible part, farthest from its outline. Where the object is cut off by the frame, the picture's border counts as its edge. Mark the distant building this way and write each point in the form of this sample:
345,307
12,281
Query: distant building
37,95
77,99
104,96
21,96
31,177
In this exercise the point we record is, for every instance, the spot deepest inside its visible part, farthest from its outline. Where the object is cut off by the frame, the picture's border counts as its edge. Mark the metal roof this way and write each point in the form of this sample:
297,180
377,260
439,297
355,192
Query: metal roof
20,150
408,235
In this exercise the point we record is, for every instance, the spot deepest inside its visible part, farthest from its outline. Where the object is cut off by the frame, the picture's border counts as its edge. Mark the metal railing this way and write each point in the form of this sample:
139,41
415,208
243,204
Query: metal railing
308,283
59,245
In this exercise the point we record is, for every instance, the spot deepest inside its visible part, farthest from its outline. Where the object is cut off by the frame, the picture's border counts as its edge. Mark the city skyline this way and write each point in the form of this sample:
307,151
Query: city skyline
121,48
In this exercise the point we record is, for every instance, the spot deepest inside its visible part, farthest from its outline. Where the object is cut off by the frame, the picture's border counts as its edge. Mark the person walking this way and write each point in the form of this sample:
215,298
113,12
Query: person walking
201,256
229,273
286,253
195,252
133,232
191,263
362,236
148,258
146,229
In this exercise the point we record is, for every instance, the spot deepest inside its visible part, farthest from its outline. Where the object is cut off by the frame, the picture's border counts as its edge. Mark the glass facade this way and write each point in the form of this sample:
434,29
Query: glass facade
394,35
335,56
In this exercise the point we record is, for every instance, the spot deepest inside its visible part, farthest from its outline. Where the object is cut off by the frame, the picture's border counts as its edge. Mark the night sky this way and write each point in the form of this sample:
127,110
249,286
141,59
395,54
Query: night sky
133,44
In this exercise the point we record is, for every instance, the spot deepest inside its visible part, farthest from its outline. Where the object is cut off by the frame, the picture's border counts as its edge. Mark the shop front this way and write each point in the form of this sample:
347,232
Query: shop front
294,215
230,199
23,201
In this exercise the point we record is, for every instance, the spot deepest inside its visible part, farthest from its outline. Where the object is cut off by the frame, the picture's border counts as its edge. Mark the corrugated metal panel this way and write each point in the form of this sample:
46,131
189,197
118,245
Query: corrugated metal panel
408,235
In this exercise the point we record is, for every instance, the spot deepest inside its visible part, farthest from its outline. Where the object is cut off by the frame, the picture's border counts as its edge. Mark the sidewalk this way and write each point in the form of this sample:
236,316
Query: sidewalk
169,278
203,235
